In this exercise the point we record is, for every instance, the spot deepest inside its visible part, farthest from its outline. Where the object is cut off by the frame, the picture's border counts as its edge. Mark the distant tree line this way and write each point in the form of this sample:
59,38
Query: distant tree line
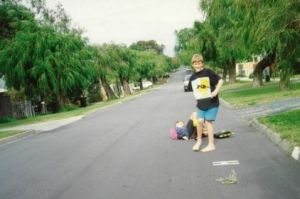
235,30
44,58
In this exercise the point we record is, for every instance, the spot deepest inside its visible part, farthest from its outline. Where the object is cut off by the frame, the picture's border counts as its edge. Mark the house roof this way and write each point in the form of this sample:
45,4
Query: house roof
2,90
2,86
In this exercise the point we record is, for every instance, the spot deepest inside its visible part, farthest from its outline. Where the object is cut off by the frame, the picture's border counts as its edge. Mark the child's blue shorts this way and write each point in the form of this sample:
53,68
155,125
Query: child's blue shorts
209,114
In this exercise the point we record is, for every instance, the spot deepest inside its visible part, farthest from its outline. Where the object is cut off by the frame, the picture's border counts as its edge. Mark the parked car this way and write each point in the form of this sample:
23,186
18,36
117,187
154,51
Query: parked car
186,81
188,71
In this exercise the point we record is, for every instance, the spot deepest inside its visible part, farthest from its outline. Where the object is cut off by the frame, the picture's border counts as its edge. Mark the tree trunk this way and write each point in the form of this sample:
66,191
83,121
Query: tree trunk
119,89
109,92
125,84
232,72
62,100
141,84
257,77
224,74
261,65
154,80
285,74
102,92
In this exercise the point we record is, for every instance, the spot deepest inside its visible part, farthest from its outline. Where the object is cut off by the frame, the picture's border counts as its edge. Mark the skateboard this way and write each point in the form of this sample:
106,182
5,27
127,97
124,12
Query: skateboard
223,134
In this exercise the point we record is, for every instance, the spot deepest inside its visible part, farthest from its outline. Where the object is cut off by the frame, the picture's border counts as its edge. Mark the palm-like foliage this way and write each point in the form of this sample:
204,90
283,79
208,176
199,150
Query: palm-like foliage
272,28
41,54
187,44
235,30
122,64
43,61
104,70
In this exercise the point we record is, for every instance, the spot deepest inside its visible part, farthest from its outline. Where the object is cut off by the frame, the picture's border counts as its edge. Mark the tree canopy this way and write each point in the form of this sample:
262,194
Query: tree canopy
236,30
44,56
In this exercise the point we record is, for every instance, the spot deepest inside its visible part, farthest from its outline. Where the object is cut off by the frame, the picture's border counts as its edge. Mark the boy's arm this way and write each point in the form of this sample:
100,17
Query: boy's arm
218,86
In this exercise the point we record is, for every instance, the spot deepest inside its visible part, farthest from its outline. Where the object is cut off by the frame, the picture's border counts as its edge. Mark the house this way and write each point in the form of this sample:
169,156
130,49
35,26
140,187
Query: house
5,102
2,86
245,69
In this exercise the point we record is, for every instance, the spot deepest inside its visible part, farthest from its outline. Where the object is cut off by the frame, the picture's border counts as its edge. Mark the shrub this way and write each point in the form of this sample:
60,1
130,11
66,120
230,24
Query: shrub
251,76
7,119
68,107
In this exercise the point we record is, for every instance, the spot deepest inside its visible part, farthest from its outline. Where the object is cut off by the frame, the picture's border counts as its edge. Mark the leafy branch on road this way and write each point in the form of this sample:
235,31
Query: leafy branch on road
231,179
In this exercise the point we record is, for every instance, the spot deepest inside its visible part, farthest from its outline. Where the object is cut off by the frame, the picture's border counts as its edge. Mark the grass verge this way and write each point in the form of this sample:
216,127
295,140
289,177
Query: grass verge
76,112
4,134
242,94
286,124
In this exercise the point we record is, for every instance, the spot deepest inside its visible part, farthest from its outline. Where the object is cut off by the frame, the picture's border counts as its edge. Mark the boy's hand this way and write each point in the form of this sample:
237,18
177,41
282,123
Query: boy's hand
214,93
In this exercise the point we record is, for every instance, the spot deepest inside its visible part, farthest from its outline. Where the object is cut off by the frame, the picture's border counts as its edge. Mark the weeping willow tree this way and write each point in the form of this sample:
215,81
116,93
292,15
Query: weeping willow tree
234,30
122,65
104,71
272,29
43,59
148,61
215,38
198,39
186,45
45,63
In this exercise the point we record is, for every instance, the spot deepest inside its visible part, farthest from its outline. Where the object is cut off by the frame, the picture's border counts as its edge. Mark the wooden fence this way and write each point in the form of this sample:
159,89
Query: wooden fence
23,109
5,106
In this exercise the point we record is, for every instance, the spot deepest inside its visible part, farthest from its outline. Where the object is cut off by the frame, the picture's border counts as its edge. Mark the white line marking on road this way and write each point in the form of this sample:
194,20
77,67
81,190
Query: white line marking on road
224,163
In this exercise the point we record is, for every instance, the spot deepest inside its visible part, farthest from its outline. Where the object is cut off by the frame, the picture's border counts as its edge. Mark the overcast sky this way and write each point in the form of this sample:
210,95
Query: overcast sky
128,21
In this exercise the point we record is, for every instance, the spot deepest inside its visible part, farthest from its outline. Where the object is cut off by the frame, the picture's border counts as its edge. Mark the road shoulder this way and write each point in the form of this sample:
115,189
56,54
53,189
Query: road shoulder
283,144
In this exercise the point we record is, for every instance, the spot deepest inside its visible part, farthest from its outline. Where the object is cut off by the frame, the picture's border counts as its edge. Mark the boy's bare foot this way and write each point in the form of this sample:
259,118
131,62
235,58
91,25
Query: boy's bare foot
197,145
208,148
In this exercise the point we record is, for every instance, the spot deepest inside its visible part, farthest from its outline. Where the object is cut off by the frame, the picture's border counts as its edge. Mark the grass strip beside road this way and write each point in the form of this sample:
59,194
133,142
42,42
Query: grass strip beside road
4,134
286,124
242,94
72,113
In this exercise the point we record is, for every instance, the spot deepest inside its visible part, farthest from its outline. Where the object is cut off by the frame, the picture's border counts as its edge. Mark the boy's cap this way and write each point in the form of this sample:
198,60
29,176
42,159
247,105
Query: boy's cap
197,57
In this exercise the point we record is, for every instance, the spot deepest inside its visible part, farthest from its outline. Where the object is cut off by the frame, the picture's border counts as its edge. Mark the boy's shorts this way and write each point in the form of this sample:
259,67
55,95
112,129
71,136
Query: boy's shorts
209,114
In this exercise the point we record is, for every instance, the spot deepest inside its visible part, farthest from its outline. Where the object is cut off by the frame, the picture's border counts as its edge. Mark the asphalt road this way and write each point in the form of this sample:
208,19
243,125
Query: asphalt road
124,152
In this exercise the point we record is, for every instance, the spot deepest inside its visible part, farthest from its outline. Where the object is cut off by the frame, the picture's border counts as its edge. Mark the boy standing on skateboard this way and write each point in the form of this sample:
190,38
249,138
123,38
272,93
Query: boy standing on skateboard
205,85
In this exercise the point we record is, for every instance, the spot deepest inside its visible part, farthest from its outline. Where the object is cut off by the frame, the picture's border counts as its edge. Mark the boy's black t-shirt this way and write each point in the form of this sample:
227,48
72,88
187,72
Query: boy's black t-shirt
202,83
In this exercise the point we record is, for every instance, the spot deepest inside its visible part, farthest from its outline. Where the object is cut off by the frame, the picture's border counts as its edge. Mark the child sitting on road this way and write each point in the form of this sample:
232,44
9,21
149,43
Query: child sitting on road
181,130
186,132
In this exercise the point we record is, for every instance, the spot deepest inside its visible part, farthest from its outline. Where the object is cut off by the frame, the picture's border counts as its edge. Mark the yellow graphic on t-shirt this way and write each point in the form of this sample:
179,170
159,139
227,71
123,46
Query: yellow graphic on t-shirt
201,88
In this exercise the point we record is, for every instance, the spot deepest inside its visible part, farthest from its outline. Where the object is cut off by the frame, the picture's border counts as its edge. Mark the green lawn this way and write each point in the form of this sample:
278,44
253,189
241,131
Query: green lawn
55,116
242,94
286,124
4,134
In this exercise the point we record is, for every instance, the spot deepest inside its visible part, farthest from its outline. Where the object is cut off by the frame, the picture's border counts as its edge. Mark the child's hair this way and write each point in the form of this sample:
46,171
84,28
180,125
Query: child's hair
197,57
178,121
